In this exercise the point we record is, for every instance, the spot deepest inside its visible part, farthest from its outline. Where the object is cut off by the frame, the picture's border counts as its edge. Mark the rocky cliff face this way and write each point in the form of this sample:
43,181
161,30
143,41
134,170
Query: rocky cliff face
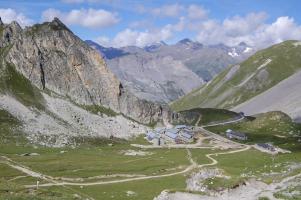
53,58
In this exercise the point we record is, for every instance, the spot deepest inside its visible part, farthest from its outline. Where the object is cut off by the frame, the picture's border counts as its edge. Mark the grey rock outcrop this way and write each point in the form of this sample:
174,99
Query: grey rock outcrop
53,58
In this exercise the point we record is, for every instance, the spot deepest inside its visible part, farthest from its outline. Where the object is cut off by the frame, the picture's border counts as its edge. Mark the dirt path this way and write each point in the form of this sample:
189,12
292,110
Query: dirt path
173,146
221,138
224,123
53,182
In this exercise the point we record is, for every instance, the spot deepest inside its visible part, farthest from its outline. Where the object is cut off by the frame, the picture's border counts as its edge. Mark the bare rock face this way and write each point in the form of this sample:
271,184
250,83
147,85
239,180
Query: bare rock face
53,58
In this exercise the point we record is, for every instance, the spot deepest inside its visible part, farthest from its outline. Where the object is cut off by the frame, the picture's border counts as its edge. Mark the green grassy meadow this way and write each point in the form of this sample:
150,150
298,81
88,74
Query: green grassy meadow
204,116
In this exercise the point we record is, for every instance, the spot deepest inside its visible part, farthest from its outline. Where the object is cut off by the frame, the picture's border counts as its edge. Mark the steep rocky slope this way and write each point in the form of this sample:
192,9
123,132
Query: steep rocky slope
163,73
287,94
60,89
269,78
53,58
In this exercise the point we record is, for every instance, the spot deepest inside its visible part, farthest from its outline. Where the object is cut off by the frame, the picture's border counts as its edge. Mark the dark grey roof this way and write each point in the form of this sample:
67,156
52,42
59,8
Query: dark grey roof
171,135
186,135
265,145
180,126
238,134
174,131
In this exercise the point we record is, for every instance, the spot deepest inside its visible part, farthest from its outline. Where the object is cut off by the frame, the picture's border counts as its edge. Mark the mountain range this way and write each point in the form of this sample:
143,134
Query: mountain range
60,88
163,73
267,81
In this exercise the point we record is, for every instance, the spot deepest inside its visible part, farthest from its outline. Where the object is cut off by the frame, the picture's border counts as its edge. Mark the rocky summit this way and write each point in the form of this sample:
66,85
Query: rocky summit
53,58
59,89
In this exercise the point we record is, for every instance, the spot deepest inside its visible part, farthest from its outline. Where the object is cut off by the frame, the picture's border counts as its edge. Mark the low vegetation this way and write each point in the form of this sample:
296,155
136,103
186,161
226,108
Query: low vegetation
1,30
37,28
275,127
205,116
15,84
97,109
103,159
9,128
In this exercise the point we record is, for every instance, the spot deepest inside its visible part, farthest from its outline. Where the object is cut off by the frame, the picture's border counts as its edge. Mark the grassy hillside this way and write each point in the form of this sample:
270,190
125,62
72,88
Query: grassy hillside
239,83
204,116
9,129
274,127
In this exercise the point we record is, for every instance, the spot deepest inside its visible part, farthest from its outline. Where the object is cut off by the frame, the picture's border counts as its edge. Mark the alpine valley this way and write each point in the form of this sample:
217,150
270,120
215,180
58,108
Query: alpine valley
161,121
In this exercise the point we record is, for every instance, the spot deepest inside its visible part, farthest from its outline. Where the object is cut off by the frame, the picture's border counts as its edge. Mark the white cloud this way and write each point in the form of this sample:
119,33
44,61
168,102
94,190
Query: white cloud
80,1
196,12
90,18
104,41
129,37
243,25
284,28
142,24
251,29
172,10
8,15
180,26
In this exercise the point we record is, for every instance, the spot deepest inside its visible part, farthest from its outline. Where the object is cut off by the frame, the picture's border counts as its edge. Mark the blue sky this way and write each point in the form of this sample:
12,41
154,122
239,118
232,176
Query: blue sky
132,22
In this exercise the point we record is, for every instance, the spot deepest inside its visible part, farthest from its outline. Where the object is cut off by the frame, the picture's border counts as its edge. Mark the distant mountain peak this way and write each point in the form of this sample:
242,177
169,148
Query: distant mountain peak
189,44
155,46
185,41
57,24
162,42
242,44
57,20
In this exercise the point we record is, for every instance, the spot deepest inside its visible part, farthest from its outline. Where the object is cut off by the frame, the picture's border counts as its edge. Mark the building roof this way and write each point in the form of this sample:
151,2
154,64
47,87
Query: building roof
171,135
265,145
180,126
159,129
229,131
172,130
151,135
188,132
186,135
238,134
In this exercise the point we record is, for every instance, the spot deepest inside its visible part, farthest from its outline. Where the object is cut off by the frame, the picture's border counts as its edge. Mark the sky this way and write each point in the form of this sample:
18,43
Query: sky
119,23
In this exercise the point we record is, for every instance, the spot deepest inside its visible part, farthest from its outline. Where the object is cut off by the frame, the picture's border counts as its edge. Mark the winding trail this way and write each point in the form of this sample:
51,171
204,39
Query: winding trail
193,165
64,183
226,122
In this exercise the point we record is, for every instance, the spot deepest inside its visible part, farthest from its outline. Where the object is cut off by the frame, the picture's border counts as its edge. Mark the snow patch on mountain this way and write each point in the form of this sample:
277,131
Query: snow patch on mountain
248,49
233,53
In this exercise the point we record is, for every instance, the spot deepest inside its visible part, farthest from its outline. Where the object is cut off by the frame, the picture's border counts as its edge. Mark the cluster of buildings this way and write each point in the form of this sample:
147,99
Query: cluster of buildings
236,135
242,136
178,135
